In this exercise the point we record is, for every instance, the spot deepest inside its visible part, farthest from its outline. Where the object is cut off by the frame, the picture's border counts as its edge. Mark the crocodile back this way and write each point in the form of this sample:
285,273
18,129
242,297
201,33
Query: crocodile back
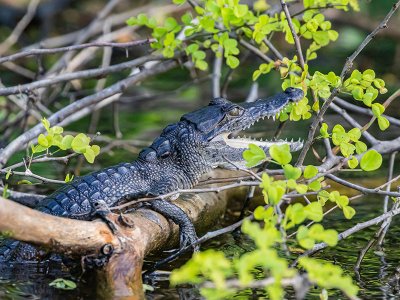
76,200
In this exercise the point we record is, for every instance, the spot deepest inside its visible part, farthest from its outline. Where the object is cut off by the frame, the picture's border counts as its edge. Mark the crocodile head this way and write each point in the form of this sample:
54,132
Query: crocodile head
203,139
218,122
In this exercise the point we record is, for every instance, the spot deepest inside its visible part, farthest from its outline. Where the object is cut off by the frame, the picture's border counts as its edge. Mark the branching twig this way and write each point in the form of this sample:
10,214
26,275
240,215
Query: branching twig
26,88
69,110
14,36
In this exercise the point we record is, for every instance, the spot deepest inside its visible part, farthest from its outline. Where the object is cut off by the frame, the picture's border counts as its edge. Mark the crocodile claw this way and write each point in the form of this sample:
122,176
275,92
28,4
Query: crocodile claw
188,237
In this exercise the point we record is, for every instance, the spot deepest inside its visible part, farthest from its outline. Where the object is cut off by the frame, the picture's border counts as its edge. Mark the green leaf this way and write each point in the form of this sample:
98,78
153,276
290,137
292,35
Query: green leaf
324,130
348,212
24,181
296,215
377,109
8,174
254,155
63,284
323,196
358,93
303,237
368,75
56,130
331,237
301,188
310,171
240,10
275,194
89,154
281,153
68,178
314,211
42,140
371,160
46,124
259,213
353,162
361,147
354,134
339,135
95,149
66,142
80,143
171,24
315,185
383,123
321,37
342,201
333,35
201,65
187,17
347,149
291,184
291,172
232,61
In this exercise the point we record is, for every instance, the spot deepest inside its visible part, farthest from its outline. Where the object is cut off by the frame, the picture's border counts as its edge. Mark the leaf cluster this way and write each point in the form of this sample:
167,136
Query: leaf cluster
55,138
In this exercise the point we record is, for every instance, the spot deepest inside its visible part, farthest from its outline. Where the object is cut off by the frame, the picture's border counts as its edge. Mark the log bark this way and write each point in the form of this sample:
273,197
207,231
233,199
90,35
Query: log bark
136,235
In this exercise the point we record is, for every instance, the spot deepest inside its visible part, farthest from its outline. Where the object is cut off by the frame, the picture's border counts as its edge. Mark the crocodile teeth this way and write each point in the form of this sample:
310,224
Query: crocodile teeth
273,117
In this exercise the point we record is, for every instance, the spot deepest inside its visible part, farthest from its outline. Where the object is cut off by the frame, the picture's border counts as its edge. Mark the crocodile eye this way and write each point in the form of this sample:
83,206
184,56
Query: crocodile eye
235,112
163,147
165,155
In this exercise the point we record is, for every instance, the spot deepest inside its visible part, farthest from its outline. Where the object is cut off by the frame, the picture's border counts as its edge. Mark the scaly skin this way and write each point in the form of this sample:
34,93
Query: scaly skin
176,160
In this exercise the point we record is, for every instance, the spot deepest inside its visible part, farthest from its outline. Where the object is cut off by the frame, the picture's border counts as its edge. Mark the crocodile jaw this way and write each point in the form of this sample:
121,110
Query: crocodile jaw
243,143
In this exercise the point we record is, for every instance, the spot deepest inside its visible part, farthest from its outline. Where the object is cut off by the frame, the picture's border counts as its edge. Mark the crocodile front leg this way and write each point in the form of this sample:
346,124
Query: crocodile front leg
187,232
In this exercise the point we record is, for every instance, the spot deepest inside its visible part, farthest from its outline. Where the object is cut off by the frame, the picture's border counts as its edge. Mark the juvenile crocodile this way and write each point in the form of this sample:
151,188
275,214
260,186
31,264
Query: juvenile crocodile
175,160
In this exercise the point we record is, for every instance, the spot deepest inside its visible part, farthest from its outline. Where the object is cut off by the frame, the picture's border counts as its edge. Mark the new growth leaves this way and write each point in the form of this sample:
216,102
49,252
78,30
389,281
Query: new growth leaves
54,138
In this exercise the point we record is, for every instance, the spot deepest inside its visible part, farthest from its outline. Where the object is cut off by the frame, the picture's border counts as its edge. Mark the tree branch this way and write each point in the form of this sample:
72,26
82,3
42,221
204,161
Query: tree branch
74,107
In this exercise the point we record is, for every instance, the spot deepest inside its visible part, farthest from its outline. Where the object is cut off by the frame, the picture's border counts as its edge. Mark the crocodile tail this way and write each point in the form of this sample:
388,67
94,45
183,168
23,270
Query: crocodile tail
12,250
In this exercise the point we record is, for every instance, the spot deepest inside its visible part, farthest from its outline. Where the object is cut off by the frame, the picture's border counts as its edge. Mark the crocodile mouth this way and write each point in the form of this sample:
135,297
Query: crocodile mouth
243,142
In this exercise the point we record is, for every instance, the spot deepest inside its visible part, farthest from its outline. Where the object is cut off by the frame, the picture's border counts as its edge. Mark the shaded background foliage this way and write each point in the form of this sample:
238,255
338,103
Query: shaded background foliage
145,109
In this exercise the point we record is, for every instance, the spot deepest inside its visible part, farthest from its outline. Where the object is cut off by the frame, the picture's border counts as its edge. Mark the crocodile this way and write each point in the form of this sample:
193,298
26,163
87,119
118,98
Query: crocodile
200,141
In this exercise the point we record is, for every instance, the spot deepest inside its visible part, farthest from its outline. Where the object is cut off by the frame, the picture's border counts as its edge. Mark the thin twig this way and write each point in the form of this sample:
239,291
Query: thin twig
216,77
32,52
184,191
361,188
294,34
